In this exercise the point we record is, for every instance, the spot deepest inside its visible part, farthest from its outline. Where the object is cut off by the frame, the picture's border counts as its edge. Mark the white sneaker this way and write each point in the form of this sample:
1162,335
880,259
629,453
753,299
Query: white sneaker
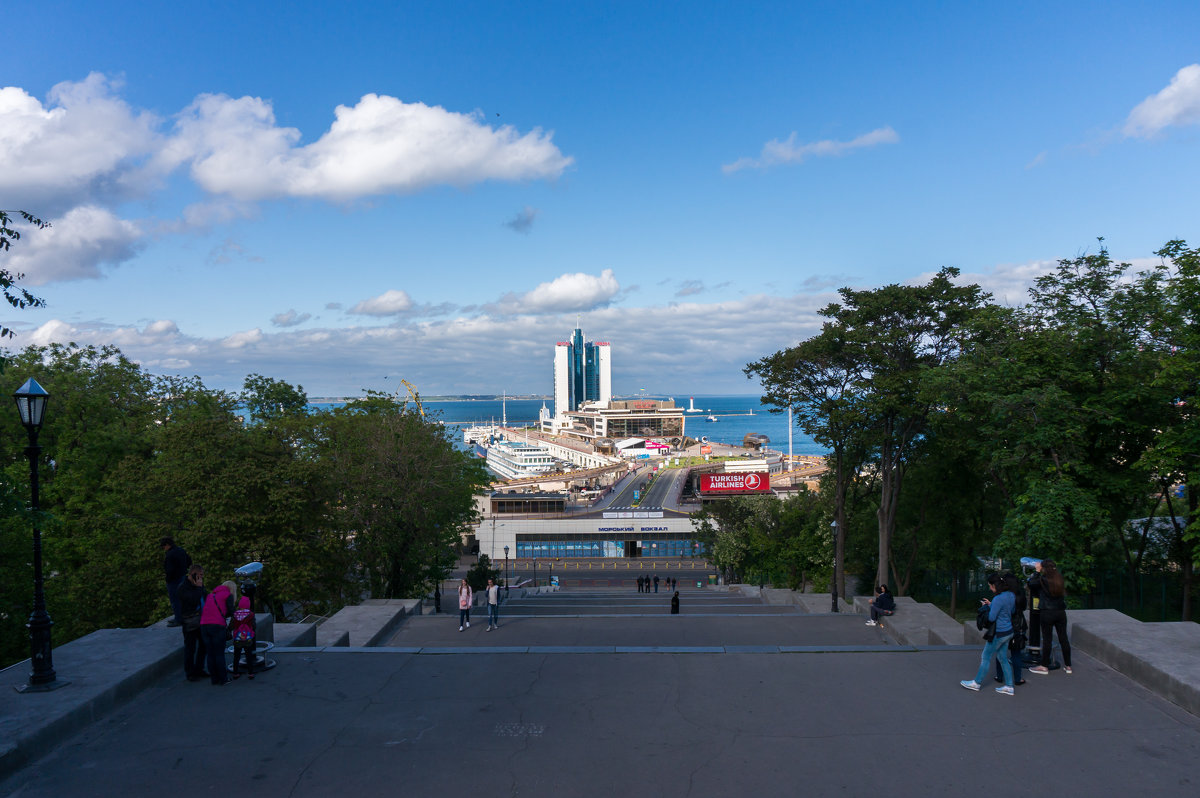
971,685
488,629
468,624
460,628
1005,690
871,623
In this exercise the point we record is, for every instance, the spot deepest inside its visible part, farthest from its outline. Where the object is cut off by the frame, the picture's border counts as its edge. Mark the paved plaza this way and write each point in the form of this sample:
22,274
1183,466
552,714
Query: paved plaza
591,693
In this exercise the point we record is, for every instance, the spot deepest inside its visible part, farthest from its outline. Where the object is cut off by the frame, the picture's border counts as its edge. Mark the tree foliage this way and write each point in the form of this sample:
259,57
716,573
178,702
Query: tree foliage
336,505
999,432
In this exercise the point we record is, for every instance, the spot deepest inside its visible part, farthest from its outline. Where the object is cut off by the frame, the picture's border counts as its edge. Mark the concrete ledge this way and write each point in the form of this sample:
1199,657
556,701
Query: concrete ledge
103,670
821,603
916,624
1163,657
369,623
331,638
295,634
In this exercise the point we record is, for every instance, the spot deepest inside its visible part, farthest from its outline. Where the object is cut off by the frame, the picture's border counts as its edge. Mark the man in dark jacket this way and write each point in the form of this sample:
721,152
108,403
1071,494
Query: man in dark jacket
175,568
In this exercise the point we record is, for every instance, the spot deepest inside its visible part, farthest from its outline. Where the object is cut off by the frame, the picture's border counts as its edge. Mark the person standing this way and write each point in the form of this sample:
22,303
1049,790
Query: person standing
1000,612
191,597
214,625
1054,616
245,629
656,583
1035,610
1020,630
493,605
465,597
175,567
675,603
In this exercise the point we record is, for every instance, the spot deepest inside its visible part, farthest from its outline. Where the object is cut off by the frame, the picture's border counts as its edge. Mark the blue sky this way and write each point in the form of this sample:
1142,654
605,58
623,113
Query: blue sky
343,195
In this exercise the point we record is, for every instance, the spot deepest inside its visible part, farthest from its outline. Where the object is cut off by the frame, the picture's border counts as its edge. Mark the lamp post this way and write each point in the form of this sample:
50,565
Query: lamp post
535,573
833,588
31,404
506,569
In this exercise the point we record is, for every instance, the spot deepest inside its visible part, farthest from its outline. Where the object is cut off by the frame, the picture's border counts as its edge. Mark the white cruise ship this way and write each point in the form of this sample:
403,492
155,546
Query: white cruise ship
519,459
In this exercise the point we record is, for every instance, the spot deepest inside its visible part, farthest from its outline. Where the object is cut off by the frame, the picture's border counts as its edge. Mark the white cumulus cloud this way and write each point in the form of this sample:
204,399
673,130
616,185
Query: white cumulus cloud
85,143
243,339
566,294
75,246
381,145
389,303
790,151
1177,104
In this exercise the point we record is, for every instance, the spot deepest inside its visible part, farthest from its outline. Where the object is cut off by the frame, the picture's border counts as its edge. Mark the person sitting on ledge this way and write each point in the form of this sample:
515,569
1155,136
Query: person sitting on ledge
882,604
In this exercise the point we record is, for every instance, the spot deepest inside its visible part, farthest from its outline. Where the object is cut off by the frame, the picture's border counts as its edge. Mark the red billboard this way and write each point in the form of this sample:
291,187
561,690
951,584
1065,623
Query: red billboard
751,482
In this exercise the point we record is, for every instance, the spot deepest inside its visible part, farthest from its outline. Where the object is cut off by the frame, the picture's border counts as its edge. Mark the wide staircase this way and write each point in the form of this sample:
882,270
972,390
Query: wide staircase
589,618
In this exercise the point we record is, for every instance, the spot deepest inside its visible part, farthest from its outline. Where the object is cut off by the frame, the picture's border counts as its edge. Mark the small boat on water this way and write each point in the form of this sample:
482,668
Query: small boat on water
711,418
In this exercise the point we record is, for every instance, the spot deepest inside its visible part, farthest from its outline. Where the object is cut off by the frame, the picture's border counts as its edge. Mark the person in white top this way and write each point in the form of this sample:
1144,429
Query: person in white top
493,604
465,597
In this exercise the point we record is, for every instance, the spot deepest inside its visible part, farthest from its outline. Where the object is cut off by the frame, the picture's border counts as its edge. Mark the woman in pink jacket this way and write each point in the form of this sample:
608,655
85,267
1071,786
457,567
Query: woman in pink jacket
214,621
465,596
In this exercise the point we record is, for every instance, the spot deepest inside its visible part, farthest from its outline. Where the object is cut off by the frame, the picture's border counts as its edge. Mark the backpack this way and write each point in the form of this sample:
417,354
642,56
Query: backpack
1020,632
983,623
243,632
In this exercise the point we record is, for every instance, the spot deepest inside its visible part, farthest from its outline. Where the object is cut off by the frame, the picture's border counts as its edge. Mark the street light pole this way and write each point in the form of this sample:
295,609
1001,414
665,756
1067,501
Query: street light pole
833,588
506,569
31,404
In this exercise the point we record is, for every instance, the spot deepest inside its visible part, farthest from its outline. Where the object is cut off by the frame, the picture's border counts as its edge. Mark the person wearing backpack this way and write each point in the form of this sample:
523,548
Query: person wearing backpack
1020,629
1000,611
244,628
214,626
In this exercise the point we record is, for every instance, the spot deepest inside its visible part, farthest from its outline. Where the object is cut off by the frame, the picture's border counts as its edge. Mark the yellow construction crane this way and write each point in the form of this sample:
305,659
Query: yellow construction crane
416,397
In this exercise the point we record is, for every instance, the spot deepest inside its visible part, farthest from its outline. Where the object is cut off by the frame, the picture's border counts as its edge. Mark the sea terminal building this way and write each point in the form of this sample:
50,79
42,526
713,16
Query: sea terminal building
611,533
621,419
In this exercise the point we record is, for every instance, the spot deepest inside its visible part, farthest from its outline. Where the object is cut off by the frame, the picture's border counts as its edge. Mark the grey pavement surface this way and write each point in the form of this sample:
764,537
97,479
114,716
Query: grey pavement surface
858,715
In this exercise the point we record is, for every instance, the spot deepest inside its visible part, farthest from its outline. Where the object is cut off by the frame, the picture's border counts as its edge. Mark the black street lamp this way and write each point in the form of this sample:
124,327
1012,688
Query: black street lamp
506,569
31,404
535,573
836,551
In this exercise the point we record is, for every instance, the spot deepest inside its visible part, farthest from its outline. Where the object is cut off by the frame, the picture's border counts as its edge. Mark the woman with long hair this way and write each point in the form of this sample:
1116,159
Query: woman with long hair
1053,615
465,598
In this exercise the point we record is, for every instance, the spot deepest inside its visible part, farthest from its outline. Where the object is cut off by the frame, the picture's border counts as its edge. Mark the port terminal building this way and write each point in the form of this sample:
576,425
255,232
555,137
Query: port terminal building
616,533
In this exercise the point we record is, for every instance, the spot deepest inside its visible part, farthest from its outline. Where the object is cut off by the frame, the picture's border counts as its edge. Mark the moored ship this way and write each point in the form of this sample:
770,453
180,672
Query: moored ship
519,459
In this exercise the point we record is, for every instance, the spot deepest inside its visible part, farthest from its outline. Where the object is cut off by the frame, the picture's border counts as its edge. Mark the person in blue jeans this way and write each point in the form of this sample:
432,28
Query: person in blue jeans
1000,611
493,605
1020,630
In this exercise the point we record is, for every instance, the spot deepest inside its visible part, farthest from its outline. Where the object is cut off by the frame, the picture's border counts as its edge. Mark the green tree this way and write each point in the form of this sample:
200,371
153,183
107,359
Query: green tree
868,364
15,295
821,380
401,489
100,412
1175,334
479,573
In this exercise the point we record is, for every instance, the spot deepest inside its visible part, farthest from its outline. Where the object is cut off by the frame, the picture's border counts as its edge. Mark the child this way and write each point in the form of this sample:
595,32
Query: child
243,627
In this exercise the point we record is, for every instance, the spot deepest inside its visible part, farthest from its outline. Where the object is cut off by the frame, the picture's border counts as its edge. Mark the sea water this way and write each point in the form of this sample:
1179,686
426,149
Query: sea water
732,413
